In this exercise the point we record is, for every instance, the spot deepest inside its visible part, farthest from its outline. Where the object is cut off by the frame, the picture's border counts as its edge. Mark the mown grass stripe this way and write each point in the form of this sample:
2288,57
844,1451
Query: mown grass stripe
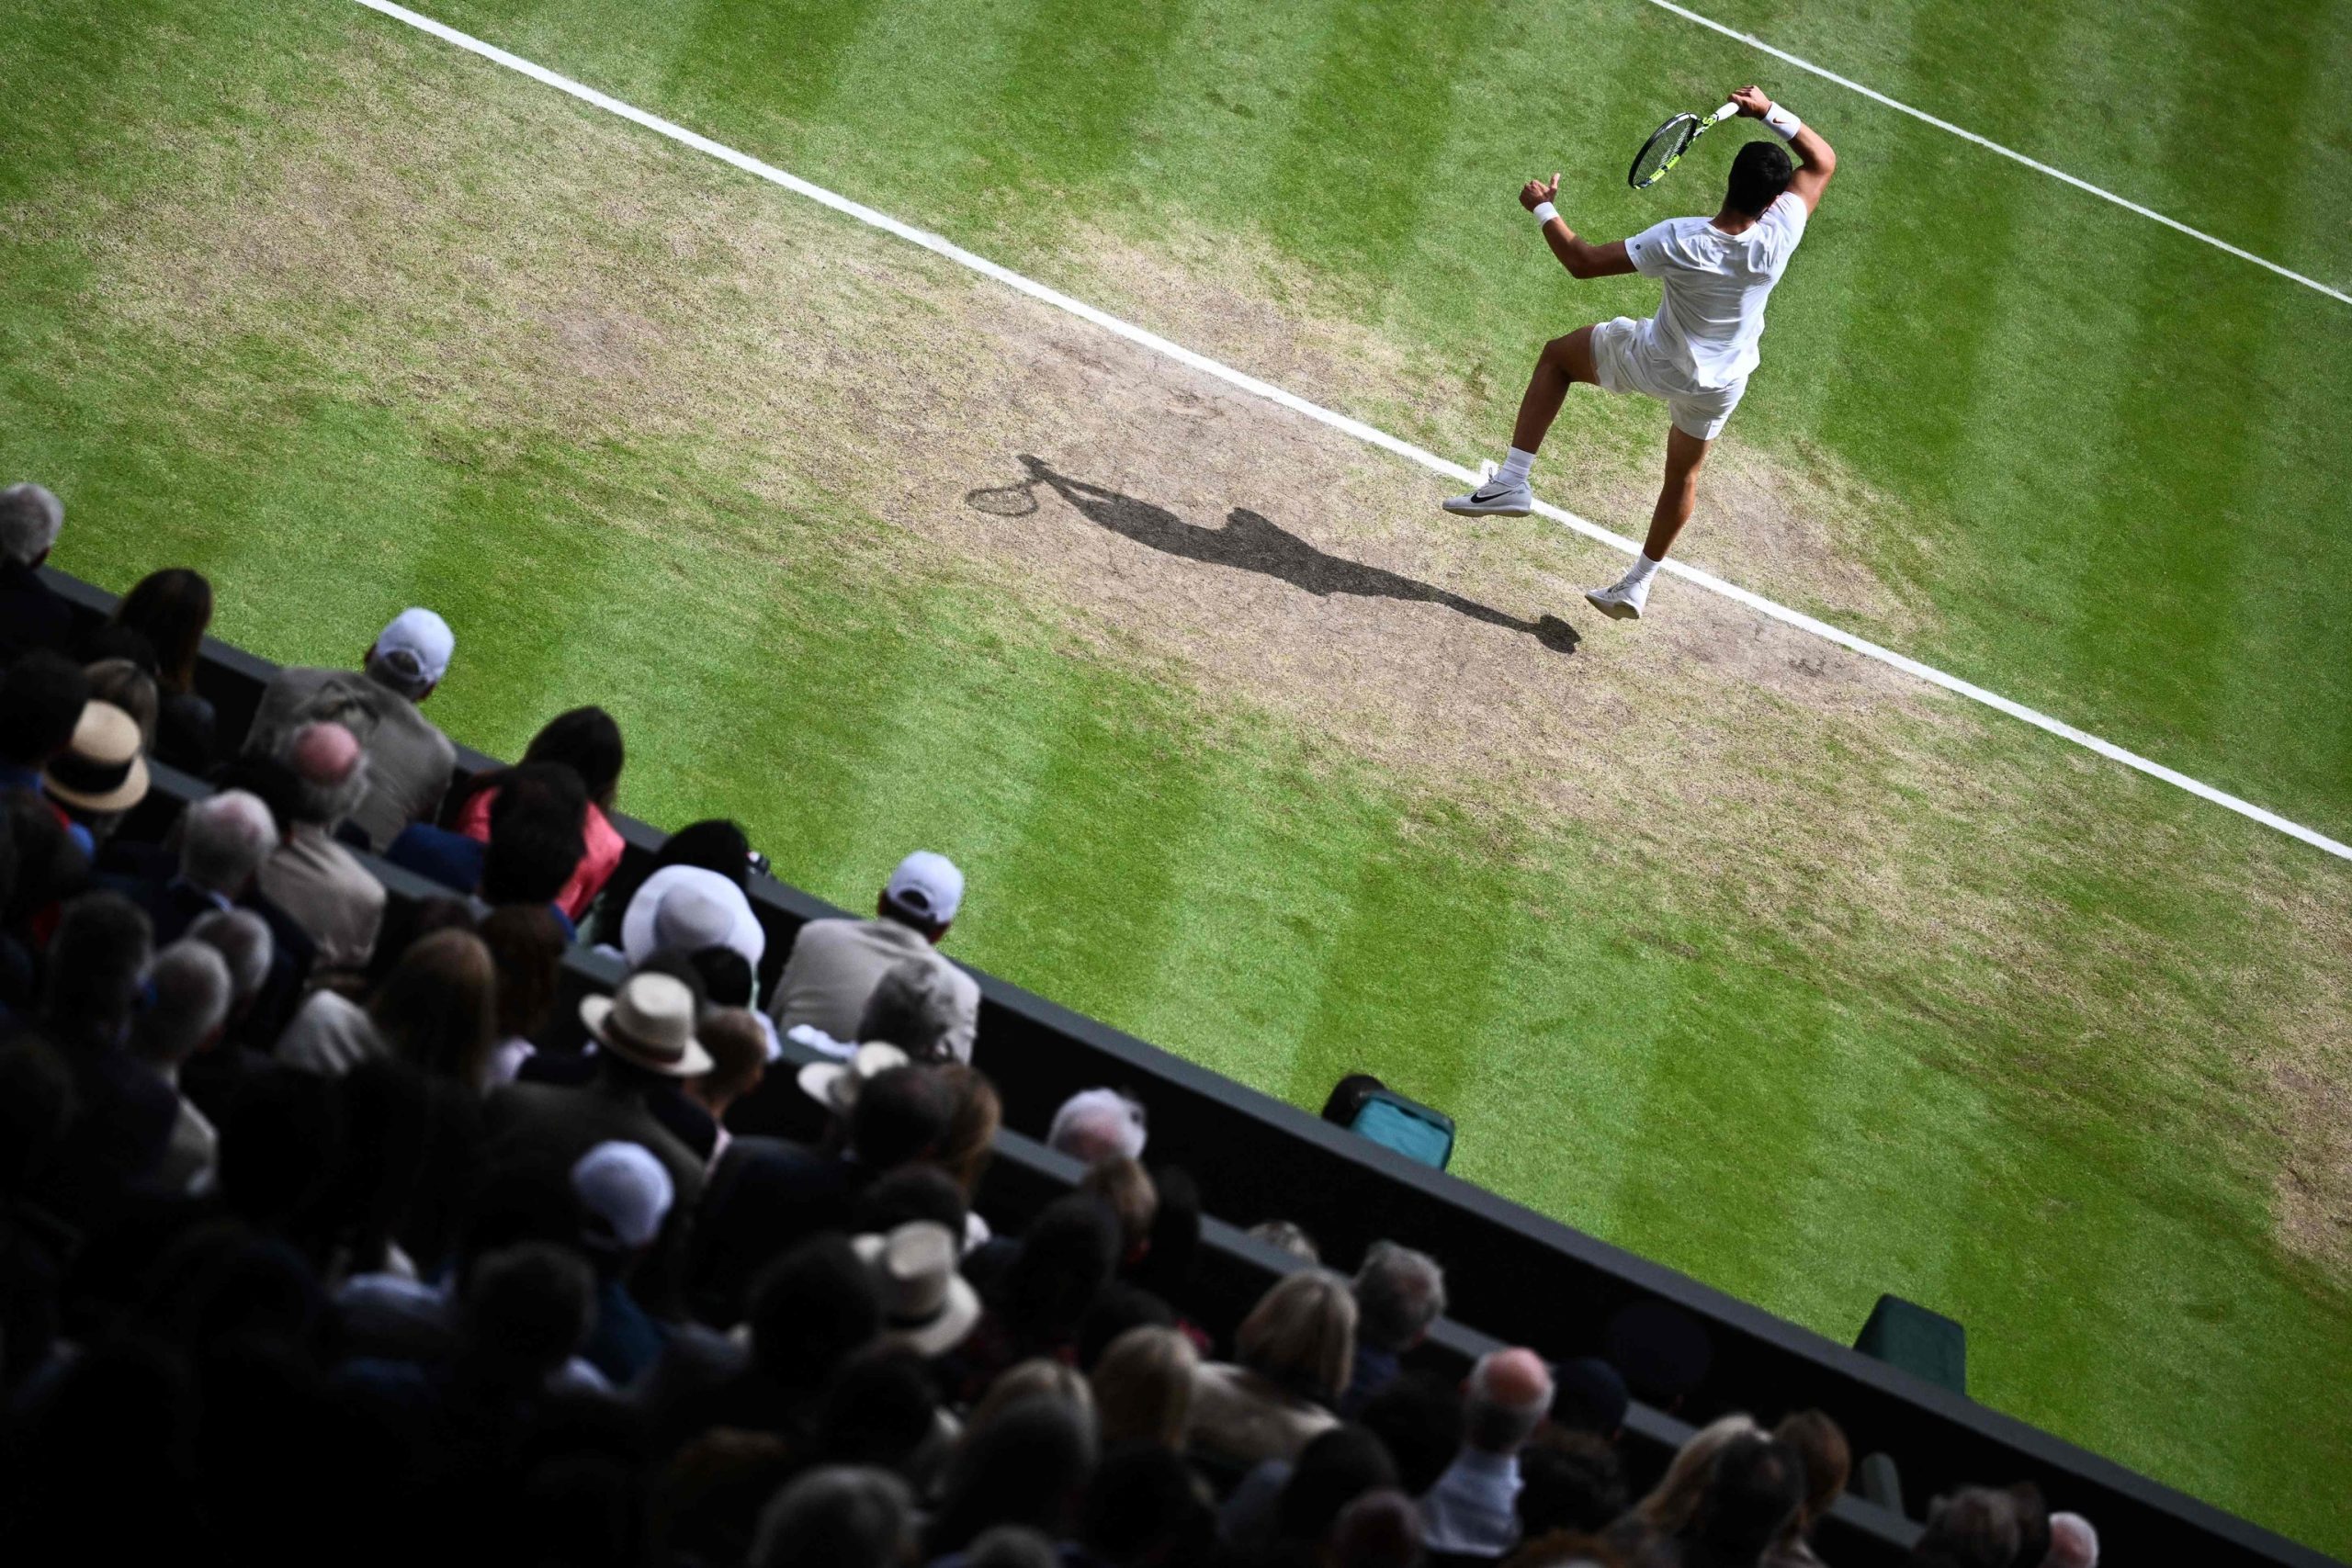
1352,427
1991,146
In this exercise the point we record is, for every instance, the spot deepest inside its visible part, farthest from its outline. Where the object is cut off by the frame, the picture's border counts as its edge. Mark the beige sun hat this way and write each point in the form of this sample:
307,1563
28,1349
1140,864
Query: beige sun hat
101,770
835,1085
650,1021
927,1306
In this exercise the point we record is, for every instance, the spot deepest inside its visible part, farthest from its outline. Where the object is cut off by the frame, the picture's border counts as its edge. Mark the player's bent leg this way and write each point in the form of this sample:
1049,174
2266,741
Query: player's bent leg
1685,455
1564,362
1505,493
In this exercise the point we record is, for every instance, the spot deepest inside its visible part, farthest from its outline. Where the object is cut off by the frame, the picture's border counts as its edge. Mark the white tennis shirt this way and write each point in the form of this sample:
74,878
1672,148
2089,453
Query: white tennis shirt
1716,285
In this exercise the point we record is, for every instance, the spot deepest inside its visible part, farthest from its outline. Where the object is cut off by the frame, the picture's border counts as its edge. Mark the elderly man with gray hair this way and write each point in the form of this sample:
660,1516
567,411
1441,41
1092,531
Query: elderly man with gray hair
193,993
409,760
1098,1124
31,616
224,838
1473,1509
1399,1292
2073,1542
242,939
310,876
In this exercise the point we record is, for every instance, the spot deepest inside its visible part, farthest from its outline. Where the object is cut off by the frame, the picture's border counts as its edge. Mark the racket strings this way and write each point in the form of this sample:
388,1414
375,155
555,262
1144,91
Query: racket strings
1658,154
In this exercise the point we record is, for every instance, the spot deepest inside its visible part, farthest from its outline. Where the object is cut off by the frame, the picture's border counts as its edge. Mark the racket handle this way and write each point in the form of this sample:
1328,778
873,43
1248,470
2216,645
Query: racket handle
1723,114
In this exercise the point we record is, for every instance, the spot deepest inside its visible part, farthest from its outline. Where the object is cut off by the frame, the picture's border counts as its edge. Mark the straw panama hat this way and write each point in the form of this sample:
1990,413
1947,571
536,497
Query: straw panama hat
835,1085
641,936
927,1306
101,770
650,1021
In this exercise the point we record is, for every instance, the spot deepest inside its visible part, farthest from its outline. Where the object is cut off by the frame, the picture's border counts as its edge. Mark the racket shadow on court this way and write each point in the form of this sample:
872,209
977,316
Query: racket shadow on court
1250,543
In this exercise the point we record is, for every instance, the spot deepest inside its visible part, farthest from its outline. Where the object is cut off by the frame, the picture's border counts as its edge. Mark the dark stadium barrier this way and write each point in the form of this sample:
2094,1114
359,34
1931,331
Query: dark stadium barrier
1527,1278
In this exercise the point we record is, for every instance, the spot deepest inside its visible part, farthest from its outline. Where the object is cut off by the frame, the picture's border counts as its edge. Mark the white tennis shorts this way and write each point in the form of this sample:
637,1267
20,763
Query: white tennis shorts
1626,358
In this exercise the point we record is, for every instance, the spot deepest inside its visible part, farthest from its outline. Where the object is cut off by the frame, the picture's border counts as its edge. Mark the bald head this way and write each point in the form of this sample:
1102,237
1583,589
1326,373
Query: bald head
2073,1542
324,754
330,771
1509,1393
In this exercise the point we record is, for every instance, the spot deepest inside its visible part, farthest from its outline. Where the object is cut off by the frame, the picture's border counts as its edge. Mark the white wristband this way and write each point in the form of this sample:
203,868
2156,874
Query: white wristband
1544,213
1782,123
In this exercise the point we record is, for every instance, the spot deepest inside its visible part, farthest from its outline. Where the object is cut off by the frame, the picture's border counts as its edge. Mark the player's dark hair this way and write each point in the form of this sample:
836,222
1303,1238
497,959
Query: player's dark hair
1759,175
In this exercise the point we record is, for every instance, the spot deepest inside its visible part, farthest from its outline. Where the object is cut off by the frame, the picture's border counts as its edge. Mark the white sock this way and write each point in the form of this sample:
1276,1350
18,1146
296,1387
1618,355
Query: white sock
1515,465
1642,569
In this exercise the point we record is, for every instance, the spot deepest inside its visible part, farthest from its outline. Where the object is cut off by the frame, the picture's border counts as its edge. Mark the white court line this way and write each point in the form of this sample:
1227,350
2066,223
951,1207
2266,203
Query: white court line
1339,422
1752,41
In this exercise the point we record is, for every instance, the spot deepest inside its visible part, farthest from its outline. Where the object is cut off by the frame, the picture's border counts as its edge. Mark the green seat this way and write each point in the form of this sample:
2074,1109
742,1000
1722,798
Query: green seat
1925,1344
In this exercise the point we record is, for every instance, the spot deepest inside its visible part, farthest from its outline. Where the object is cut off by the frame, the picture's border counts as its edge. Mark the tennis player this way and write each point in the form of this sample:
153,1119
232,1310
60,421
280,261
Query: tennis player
1695,355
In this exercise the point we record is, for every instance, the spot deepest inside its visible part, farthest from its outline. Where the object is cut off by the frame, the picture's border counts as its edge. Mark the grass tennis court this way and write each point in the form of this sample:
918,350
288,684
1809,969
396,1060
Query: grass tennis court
1718,943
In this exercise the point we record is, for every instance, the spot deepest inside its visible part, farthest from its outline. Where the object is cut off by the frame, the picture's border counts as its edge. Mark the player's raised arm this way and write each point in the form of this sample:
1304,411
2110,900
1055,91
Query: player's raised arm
1581,257
1818,159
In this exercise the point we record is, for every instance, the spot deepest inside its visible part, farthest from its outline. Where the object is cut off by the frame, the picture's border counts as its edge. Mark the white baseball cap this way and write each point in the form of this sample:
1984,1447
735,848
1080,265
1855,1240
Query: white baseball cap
424,639
928,886
624,1186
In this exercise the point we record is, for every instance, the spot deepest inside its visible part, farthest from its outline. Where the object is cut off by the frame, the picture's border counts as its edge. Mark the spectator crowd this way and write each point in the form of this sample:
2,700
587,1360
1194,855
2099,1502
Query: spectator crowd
325,1227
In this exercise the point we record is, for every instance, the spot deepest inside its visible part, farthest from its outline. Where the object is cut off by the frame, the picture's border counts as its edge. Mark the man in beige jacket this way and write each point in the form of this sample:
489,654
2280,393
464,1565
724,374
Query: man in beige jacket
835,965
321,885
409,759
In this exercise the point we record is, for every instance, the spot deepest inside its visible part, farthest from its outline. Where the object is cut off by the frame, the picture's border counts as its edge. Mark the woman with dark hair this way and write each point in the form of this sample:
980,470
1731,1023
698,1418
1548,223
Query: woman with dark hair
1040,1297
526,951
171,609
1028,1467
587,741
970,1143
437,1008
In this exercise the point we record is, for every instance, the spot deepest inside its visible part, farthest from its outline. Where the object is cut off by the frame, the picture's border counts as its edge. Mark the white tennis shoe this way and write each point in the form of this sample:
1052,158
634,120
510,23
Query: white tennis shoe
1621,599
1493,498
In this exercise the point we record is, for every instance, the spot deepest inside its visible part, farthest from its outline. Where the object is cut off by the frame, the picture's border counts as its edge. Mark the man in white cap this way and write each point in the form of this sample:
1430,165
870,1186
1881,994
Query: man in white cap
625,1195
409,759
835,965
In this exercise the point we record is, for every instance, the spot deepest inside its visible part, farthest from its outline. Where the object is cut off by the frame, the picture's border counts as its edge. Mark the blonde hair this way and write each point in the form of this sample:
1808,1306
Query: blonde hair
1037,1375
1133,1197
1143,1387
1302,1335
1672,1502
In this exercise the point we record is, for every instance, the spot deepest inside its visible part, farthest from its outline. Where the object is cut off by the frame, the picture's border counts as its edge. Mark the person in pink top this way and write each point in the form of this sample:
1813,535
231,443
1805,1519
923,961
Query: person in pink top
587,741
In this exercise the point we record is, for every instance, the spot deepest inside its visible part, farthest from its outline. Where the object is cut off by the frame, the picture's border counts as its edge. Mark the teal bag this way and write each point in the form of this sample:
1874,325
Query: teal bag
1420,1135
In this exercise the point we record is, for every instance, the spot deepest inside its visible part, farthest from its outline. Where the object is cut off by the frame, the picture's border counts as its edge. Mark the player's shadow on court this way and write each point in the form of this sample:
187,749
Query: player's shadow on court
1251,543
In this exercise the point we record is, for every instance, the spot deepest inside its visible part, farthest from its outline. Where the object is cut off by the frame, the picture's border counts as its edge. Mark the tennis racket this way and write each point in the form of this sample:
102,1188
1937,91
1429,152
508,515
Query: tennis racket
1668,142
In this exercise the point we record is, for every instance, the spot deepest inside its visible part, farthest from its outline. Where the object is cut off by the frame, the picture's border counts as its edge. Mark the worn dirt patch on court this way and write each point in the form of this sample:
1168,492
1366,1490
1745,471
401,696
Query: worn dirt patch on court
1771,521
515,269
